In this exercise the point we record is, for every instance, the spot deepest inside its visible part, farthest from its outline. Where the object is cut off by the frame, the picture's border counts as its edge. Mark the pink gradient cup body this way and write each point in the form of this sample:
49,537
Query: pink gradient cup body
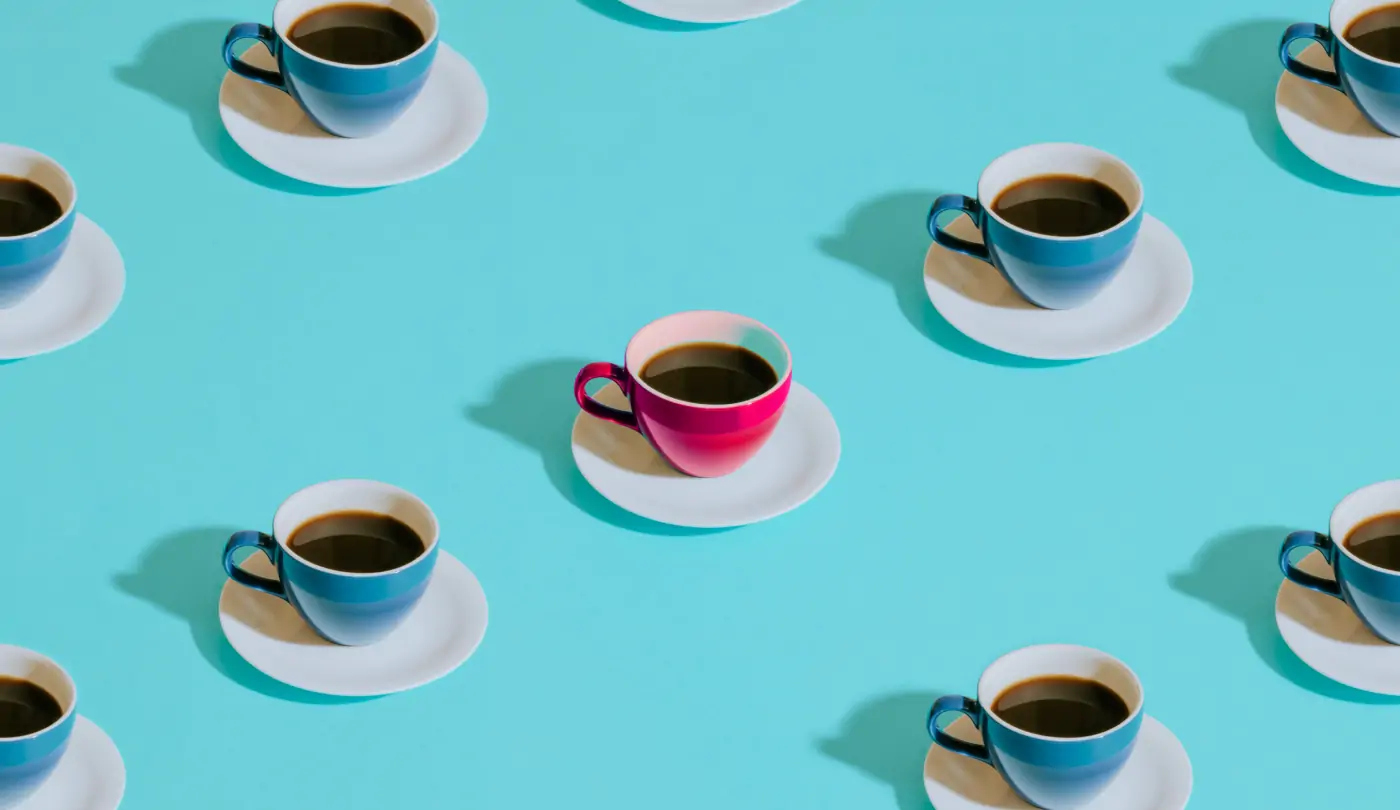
705,441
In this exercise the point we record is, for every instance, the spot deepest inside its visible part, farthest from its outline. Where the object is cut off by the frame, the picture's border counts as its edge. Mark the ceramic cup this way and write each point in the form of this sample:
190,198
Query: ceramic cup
1055,773
26,260
342,607
26,762
1371,84
1053,272
704,441
352,101
1373,593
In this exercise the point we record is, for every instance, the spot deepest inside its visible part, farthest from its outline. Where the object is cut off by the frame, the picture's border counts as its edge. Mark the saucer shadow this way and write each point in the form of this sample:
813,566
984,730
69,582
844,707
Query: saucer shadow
180,65
1238,66
534,407
886,739
1237,573
181,575
886,238
621,12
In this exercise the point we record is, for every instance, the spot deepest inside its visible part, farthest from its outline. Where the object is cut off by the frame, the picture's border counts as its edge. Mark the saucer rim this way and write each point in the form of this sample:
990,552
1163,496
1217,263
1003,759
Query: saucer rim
1289,635
106,748
639,5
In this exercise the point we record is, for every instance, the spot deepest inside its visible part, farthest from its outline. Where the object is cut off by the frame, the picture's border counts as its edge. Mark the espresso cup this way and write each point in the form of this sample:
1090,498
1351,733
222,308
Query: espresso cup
701,440
27,762
1054,773
1372,592
351,609
349,100
1372,84
1052,272
27,259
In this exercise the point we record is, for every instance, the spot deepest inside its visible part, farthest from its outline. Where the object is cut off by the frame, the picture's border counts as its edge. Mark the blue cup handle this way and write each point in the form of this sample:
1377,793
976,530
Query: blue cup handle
267,37
962,705
1323,36
1309,540
262,543
965,205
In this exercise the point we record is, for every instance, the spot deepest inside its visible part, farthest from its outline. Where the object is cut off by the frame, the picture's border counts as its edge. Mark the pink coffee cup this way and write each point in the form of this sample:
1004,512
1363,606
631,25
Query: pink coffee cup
705,441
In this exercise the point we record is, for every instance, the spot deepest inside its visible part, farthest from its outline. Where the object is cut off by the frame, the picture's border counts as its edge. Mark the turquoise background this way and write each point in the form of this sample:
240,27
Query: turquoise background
274,335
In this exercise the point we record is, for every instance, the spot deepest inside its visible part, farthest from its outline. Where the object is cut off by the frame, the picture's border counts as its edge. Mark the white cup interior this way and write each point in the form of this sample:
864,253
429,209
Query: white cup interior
1359,507
1058,158
1059,659
354,495
707,326
1345,12
17,662
17,161
286,13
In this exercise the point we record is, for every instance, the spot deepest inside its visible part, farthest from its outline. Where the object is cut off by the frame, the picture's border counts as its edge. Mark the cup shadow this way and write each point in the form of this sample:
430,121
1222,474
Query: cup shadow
623,13
180,66
534,407
1238,66
1237,574
886,739
886,237
180,574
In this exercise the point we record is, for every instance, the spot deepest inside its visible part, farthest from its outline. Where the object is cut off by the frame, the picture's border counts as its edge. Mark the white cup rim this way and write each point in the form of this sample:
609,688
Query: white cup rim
636,372
280,26
284,543
68,681
72,203
1340,542
986,700
1338,30
1101,154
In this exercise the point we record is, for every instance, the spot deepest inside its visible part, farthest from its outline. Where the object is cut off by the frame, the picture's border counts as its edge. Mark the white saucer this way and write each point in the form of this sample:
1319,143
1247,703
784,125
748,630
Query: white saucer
1328,128
1146,296
1157,776
1329,638
794,465
90,776
441,125
79,295
710,11
441,633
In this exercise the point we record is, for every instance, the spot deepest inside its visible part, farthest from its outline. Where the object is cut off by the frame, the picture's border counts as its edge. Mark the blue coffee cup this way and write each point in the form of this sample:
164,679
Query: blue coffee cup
1373,85
27,762
1052,272
352,101
26,260
1372,592
351,609
1053,773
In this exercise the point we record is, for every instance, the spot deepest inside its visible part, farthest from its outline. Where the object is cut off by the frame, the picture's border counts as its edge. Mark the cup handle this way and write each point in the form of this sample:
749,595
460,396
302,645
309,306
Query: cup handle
1323,36
262,34
591,406
966,205
1310,540
962,705
262,543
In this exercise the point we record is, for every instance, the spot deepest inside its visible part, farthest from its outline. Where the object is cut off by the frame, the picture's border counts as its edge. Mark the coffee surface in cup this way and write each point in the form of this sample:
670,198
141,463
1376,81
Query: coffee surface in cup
357,34
1377,541
1377,33
356,542
1061,706
1061,205
26,207
709,373
26,707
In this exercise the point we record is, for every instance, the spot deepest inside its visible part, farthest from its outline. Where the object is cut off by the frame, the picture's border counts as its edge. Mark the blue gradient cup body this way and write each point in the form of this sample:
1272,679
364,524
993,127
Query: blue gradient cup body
26,260
342,607
352,101
1053,272
27,762
1054,773
1372,84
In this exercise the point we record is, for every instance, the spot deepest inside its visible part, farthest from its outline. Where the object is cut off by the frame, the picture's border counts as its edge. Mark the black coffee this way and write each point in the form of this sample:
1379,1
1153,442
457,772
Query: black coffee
357,34
1061,205
25,707
1377,541
1377,33
356,542
709,373
25,206
1061,706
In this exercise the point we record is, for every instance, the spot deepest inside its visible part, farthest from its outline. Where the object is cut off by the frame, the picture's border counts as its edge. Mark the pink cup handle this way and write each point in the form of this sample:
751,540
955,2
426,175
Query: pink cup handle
591,406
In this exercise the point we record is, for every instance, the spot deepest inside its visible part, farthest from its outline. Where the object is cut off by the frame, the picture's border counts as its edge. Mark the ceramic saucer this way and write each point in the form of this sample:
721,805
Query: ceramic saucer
793,466
441,633
90,776
1146,296
80,294
1328,128
710,11
440,126
1157,776
1329,638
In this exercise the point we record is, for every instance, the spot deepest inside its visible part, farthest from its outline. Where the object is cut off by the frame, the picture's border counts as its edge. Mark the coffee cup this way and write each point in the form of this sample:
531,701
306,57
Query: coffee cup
28,760
34,191
706,389
1045,752
352,75
1370,79
353,557
1058,220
